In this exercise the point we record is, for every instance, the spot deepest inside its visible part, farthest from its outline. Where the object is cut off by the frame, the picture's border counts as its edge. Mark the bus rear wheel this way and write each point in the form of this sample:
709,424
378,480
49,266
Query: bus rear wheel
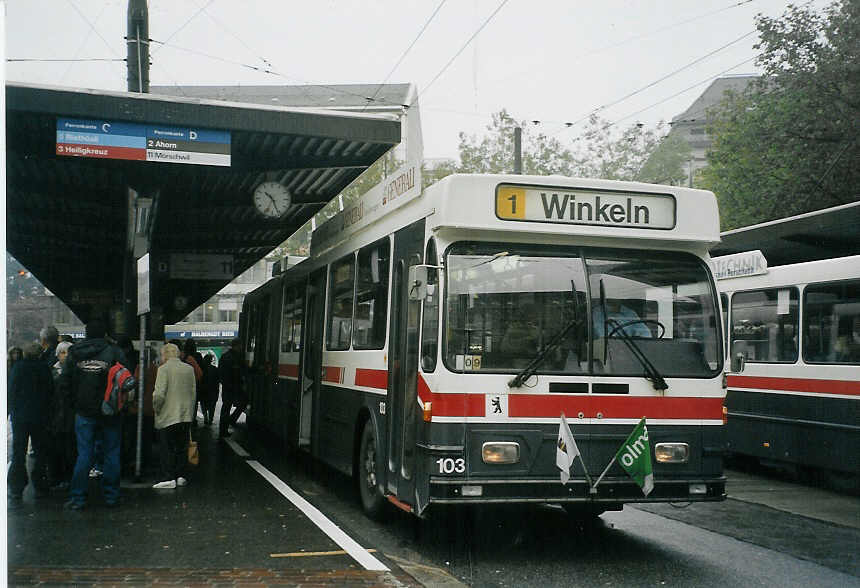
372,500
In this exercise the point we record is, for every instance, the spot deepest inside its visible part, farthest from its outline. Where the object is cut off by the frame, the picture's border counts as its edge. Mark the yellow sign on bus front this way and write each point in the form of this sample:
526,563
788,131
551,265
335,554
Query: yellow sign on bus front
511,202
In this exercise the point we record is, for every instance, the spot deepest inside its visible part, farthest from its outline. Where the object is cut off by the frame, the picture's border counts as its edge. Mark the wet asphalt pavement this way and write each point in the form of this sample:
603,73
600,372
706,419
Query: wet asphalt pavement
229,520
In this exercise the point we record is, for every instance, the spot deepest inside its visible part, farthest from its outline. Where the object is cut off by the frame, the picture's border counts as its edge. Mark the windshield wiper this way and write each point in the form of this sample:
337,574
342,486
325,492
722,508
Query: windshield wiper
528,371
651,372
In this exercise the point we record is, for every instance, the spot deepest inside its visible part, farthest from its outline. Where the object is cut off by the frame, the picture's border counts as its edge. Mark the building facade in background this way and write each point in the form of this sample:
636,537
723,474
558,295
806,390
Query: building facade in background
691,124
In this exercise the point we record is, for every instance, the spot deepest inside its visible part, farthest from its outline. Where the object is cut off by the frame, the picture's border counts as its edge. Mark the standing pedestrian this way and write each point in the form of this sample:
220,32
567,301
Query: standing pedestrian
30,391
230,371
48,338
189,354
62,425
86,375
173,401
209,394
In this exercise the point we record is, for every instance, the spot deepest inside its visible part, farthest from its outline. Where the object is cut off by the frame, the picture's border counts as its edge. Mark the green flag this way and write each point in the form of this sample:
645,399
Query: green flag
635,457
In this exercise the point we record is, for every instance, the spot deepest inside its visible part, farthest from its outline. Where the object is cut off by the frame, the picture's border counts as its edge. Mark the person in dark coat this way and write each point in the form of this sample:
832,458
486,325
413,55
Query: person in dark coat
230,371
209,394
30,390
62,425
85,373
48,339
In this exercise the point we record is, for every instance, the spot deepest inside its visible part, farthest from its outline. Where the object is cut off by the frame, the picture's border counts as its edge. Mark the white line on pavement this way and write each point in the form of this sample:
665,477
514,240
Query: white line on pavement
356,551
240,451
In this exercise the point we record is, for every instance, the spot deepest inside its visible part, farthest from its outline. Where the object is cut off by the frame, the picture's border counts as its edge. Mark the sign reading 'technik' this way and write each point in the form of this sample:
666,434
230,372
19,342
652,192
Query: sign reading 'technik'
119,140
586,207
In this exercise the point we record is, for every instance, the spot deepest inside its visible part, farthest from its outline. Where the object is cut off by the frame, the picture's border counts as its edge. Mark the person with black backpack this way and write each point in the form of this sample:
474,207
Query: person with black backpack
85,372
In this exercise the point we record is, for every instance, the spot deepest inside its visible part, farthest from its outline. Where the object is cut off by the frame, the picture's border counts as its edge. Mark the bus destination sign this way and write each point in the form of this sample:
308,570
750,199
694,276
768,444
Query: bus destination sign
585,207
142,142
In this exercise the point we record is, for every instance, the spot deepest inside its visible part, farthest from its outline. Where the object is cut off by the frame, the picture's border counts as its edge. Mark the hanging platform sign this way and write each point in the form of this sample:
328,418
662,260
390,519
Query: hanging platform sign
119,140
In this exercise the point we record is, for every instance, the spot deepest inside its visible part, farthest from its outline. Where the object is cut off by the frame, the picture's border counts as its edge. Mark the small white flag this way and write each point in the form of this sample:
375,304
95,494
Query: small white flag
566,450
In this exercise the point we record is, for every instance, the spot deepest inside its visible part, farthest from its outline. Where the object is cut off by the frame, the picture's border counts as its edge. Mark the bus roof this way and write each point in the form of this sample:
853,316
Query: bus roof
538,205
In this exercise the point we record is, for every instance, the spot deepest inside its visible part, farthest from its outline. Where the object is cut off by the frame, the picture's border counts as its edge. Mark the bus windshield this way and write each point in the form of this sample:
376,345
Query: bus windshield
507,304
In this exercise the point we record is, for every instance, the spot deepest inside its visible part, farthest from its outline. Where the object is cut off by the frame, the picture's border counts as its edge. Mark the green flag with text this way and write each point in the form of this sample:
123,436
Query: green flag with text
635,457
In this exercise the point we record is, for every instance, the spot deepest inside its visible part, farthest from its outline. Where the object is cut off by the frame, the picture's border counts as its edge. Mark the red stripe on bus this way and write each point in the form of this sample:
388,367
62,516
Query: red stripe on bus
846,387
332,374
424,392
458,405
290,370
615,407
371,378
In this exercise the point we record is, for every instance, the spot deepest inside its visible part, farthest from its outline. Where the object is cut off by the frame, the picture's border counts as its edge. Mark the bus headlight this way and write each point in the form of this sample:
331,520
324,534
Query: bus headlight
500,452
672,452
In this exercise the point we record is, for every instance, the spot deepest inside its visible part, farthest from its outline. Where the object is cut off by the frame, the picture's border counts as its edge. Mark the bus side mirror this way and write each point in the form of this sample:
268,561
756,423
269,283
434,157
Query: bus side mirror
418,282
738,363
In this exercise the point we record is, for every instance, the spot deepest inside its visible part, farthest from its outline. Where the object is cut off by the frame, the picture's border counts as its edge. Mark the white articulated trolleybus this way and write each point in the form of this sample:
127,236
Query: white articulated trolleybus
794,341
432,341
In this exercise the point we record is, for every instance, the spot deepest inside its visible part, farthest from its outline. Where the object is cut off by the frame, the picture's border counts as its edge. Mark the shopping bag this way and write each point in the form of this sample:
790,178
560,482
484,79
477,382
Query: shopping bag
193,451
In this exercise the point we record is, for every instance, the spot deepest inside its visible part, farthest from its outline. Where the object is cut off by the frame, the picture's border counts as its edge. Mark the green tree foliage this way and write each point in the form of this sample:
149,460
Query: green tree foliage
665,164
599,151
788,144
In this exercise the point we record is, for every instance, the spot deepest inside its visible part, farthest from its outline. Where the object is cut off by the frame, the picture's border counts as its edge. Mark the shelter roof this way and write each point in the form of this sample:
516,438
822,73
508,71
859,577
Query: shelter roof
365,97
68,217
822,234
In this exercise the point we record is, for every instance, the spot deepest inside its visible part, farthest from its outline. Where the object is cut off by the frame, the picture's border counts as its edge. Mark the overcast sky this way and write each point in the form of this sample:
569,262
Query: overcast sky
546,60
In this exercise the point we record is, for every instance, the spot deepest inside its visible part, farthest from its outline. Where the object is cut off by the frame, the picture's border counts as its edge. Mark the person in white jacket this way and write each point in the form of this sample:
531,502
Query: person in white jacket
173,402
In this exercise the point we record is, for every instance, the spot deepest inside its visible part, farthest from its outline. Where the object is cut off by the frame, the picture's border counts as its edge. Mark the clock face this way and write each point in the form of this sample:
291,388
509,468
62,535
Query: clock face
272,199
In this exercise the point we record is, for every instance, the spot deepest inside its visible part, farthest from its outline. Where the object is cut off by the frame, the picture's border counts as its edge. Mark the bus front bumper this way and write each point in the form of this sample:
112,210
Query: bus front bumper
609,491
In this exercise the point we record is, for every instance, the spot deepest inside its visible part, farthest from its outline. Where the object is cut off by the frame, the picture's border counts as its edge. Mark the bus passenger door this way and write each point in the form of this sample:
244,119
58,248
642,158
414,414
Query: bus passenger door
311,356
404,417
259,373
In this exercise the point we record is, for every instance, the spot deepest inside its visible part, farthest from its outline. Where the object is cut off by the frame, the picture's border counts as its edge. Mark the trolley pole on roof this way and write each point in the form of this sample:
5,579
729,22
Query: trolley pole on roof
137,42
518,150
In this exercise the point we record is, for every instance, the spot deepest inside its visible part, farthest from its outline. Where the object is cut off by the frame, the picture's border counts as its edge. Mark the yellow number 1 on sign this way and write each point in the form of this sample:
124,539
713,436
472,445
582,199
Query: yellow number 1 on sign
511,203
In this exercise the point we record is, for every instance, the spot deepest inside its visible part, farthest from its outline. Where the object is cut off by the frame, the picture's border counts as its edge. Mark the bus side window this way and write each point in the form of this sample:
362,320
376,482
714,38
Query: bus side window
430,320
371,296
340,297
765,325
831,324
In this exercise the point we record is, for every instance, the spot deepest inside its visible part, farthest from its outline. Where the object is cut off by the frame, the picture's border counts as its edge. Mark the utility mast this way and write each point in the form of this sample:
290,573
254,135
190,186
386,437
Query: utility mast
137,41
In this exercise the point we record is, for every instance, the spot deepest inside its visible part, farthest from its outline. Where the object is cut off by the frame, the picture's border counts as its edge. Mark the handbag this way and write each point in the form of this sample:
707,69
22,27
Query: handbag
193,451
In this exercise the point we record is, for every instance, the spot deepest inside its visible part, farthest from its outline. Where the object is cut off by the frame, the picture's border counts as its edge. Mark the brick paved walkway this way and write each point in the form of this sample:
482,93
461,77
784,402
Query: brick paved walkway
44,576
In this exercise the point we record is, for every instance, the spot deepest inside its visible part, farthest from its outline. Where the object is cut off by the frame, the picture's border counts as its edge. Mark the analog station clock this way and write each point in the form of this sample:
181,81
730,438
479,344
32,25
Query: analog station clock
272,199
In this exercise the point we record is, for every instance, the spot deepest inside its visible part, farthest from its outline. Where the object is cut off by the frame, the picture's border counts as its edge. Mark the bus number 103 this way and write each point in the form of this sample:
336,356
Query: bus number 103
449,465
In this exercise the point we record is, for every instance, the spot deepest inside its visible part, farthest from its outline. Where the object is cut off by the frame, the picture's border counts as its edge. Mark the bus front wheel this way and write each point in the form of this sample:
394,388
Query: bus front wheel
369,489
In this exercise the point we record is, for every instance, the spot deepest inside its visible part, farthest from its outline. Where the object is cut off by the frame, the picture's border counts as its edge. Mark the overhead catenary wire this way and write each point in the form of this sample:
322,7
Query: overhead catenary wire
62,60
641,36
92,27
568,123
687,89
406,52
457,54
594,111
235,36
265,70
81,45
186,23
